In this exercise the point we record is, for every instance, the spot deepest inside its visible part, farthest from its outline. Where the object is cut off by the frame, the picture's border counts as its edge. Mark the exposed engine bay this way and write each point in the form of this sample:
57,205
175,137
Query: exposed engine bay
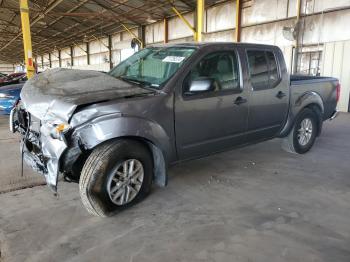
50,111
32,140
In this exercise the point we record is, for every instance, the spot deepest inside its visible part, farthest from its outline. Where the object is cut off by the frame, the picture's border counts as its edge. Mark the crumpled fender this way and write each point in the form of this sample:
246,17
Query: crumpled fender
301,102
116,125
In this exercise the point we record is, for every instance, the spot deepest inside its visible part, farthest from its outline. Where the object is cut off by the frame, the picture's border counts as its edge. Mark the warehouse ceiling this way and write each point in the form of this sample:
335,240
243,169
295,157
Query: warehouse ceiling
60,23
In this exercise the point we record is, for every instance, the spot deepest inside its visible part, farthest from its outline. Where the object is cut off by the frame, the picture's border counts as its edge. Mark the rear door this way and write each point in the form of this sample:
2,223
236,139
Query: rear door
269,97
212,121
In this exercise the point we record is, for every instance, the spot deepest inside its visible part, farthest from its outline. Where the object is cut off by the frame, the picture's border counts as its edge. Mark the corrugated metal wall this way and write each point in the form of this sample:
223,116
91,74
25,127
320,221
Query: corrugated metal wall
336,56
6,68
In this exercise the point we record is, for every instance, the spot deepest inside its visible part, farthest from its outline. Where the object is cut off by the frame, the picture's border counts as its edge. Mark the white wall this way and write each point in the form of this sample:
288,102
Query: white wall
6,68
79,55
66,58
178,29
336,57
155,33
54,59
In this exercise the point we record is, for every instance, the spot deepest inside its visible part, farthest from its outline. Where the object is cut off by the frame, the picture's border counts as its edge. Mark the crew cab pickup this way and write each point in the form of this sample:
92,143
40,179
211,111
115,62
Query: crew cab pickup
117,133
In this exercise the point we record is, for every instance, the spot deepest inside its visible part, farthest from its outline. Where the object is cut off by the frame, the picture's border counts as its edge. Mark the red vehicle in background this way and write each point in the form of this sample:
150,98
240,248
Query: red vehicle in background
13,78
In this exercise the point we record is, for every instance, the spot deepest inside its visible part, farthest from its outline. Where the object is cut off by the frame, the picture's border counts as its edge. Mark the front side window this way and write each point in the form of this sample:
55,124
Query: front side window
263,69
221,67
152,66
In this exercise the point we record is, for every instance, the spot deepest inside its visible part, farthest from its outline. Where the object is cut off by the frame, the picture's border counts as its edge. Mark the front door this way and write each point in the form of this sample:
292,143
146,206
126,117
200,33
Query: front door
211,121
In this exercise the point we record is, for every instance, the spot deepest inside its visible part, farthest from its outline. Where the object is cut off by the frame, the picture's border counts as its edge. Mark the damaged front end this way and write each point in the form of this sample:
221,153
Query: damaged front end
44,117
42,144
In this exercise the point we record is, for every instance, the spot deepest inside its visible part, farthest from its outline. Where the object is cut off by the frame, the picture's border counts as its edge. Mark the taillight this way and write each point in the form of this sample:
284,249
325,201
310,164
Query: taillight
338,91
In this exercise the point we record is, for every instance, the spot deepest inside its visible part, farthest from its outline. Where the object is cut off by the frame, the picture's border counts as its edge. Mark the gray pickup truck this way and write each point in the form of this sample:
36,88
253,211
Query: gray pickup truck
117,133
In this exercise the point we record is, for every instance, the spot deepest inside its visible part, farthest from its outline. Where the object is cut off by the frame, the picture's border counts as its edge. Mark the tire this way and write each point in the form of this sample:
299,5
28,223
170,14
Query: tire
104,169
294,142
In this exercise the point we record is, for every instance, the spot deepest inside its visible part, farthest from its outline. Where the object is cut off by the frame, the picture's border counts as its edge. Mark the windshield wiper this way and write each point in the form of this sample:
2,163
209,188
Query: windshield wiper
142,83
130,80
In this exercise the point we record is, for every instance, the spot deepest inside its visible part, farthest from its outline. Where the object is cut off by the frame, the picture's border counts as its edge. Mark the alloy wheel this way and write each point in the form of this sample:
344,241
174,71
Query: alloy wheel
125,182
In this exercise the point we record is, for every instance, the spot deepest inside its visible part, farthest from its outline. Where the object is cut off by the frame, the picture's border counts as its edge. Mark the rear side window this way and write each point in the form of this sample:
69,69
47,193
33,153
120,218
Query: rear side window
263,69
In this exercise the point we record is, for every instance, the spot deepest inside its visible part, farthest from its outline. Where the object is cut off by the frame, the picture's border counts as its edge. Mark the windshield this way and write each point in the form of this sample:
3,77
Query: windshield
152,66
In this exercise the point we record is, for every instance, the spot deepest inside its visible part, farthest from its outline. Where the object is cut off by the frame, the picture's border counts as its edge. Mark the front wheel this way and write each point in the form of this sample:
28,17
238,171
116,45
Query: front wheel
116,175
303,135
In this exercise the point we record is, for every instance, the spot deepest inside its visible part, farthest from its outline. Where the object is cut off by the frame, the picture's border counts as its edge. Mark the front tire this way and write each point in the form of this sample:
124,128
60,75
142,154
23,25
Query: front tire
303,134
116,175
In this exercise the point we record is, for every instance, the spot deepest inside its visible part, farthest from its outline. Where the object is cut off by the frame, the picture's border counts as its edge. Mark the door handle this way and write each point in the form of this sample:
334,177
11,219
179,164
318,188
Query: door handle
240,100
280,95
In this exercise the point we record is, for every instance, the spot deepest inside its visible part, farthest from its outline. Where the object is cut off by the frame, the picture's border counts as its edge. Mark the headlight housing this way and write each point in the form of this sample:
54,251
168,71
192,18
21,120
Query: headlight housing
62,128
57,128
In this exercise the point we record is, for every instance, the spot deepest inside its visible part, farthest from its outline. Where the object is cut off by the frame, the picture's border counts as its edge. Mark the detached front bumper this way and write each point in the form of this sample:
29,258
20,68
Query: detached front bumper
40,151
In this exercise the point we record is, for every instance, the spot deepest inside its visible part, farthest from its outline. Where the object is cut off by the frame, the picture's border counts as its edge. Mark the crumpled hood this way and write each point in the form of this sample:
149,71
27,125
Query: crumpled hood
59,91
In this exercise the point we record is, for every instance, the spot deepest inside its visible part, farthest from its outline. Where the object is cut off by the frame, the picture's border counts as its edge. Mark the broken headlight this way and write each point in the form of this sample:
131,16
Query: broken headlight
57,129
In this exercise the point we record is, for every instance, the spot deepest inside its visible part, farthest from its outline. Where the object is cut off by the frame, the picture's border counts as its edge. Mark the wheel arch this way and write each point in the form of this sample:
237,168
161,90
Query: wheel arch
311,100
159,161
152,135
316,108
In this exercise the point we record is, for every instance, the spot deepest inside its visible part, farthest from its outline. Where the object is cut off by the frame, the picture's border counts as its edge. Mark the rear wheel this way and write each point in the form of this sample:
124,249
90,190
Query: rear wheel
302,137
116,175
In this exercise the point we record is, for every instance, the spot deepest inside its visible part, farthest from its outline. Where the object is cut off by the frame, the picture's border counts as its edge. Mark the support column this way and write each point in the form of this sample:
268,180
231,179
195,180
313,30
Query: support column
166,31
50,62
142,35
27,41
59,58
88,53
36,64
71,57
110,51
238,20
200,19
42,62
296,43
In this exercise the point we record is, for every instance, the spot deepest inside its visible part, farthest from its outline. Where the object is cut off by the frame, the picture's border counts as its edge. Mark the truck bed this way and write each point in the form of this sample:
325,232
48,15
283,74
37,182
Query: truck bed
323,86
297,79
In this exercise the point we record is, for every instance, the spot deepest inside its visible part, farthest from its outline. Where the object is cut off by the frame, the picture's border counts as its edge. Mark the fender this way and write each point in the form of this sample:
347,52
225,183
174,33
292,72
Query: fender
305,100
111,126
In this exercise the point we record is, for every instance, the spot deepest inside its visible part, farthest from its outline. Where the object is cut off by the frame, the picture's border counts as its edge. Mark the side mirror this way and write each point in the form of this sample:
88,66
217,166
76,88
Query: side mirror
201,85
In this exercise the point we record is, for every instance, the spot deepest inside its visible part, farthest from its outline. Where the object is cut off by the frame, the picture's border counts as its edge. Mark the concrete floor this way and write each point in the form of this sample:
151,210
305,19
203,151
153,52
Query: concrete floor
10,162
258,203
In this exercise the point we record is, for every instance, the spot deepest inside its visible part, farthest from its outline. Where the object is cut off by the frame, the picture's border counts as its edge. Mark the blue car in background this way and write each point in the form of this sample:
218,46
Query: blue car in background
9,96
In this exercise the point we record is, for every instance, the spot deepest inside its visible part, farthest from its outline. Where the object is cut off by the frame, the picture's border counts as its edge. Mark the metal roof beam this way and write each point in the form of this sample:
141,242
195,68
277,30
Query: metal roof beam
51,6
